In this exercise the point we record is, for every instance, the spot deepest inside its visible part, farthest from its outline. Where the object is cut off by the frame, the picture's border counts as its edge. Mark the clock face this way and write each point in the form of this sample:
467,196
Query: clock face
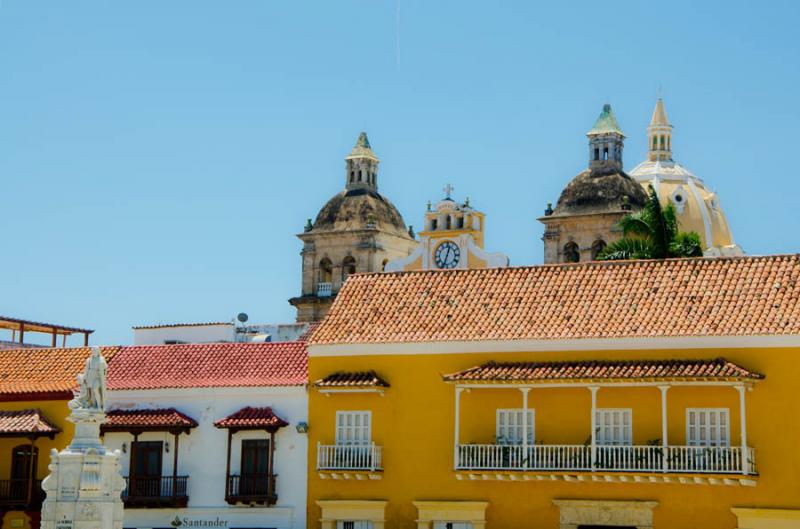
447,255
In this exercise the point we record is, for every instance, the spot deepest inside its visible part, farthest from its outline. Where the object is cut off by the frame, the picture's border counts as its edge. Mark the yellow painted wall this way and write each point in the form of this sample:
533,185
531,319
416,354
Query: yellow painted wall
414,422
56,412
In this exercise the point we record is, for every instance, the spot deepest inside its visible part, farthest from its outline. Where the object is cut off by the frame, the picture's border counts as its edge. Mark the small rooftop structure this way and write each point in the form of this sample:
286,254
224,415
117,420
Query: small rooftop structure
19,327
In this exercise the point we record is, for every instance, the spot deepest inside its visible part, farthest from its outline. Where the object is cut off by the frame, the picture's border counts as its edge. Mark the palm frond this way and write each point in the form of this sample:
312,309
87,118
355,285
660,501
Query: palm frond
686,244
627,248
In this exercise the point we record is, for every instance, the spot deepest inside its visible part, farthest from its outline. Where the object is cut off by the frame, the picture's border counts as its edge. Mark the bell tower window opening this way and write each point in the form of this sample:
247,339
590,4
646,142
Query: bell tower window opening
352,176
572,253
596,154
348,267
597,247
605,153
448,222
325,270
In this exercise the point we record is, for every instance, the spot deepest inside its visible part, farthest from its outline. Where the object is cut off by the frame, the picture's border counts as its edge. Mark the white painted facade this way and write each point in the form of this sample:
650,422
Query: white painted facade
202,456
190,333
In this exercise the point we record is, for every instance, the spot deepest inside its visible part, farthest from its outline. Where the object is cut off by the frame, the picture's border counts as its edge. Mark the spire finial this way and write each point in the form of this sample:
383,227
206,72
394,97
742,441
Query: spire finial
448,190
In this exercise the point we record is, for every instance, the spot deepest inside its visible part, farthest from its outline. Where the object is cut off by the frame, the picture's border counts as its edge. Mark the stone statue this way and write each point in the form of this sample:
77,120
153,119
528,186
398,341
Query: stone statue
91,394
84,486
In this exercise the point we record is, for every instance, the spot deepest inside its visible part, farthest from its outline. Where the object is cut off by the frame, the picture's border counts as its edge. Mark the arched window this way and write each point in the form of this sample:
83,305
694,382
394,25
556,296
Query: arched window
352,176
597,246
596,153
572,253
348,267
325,270
662,143
655,142
434,224
448,222
605,153
360,175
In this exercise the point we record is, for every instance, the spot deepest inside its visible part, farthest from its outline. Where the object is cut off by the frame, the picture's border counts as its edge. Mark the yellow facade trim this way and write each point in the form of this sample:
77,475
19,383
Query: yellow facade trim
430,512
767,518
340,510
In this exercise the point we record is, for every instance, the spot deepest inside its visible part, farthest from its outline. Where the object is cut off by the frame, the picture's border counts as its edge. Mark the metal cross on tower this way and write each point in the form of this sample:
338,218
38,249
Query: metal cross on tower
448,190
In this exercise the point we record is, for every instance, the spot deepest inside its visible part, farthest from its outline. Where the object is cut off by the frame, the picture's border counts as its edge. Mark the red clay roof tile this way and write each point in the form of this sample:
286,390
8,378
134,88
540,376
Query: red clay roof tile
739,296
368,379
716,369
147,419
252,419
209,365
26,422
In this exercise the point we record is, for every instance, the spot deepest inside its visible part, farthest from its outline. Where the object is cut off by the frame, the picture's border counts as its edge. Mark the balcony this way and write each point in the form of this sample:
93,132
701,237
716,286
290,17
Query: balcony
679,459
15,494
251,488
365,457
324,290
159,491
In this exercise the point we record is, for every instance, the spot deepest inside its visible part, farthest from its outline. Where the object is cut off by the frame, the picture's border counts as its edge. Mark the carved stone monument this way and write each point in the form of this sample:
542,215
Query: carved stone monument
85,484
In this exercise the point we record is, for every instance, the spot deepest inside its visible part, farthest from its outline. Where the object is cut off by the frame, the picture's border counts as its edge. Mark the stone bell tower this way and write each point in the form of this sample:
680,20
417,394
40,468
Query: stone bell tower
358,230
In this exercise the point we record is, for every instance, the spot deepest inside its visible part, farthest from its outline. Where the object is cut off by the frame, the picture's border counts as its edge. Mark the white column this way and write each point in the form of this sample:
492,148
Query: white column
664,442
524,426
456,436
743,425
594,389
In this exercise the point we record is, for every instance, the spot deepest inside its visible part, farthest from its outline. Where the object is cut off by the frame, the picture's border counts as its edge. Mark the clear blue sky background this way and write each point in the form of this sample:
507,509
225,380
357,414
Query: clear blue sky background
157,158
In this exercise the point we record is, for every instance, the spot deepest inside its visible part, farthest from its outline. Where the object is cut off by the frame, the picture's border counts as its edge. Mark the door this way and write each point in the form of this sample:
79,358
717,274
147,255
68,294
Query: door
146,474
254,467
707,427
21,462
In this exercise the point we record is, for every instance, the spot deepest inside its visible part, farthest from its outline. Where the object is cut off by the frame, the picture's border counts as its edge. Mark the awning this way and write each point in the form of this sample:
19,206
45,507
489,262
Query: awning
148,420
352,379
26,423
252,419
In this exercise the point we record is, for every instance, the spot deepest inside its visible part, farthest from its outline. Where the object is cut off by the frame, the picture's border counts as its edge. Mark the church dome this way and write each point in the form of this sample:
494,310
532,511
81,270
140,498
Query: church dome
598,191
360,209
697,208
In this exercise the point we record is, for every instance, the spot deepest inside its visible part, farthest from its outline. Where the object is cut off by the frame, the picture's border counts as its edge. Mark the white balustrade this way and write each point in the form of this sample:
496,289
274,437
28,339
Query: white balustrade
324,290
349,457
622,458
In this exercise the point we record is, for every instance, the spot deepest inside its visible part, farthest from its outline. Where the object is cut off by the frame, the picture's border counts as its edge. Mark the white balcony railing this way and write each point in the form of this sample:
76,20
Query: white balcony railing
349,457
324,290
691,459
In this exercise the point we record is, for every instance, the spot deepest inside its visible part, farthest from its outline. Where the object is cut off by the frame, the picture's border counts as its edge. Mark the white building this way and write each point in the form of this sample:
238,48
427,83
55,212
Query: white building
212,435
176,333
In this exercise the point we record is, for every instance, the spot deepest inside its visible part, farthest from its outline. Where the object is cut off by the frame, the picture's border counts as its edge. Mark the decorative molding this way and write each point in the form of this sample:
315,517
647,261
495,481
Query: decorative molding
575,513
607,477
349,475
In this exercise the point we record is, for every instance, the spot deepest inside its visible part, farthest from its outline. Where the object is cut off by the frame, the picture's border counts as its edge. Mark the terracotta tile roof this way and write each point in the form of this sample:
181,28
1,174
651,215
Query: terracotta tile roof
43,373
352,379
252,419
147,419
676,297
24,422
308,332
209,365
716,369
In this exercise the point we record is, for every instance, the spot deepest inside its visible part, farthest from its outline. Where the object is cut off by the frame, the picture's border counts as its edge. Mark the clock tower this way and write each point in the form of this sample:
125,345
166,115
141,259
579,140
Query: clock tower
452,239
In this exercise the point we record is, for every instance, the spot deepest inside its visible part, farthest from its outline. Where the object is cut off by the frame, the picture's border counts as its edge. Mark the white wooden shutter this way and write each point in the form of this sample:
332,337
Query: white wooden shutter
614,426
353,524
508,426
707,427
353,427
452,525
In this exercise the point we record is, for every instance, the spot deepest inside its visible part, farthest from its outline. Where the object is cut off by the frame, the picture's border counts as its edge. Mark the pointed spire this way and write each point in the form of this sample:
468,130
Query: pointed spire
659,115
606,123
659,134
362,148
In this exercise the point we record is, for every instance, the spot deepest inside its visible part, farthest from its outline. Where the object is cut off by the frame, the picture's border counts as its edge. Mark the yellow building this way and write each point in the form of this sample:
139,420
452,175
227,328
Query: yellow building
649,394
697,208
35,386
453,238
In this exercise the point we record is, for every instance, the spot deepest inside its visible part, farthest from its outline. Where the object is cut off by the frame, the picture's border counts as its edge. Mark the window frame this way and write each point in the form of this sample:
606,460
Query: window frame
706,443
517,414
626,430
348,440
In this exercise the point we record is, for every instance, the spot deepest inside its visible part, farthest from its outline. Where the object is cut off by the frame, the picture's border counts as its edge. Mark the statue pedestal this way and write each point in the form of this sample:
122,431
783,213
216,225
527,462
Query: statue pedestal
84,486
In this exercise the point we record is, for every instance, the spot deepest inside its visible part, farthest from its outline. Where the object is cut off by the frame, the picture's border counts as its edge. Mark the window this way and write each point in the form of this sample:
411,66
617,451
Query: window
571,253
348,267
448,222
254,467
383,265
613,426
353,524
434,224
707,427
353,427
360,175
352,176
655,143
146,468
597,247
325,270
21,470
605,153
452,525
509,426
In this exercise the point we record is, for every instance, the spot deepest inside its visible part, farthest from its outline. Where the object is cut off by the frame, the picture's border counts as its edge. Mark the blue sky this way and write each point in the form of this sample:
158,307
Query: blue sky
157,158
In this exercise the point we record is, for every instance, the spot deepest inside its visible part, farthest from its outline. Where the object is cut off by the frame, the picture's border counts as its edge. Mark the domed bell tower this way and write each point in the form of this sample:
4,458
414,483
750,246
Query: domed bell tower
606,142
358,230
